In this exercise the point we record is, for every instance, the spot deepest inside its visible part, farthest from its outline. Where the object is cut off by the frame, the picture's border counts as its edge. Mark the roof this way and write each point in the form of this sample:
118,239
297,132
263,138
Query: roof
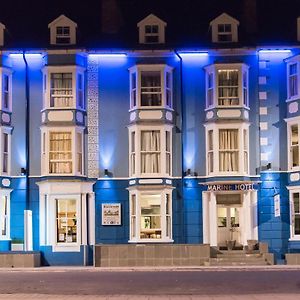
112,23
151,19
62,19
224,18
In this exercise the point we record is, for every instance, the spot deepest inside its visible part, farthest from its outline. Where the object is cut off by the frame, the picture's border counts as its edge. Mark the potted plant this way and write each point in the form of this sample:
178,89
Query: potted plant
231,243
17,244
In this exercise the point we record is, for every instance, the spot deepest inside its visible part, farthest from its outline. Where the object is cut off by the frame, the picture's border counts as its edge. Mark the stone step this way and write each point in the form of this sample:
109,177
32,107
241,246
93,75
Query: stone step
241,255
239,258
237,263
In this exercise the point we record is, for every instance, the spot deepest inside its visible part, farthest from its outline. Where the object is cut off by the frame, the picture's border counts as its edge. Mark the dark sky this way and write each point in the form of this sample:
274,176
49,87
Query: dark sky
188,20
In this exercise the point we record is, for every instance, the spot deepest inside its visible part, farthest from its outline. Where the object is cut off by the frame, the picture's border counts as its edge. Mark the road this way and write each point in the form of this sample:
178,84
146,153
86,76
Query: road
204,283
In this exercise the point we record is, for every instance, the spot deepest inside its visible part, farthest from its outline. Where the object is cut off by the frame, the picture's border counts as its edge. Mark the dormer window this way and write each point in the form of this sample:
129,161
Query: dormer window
224,29
2,28
62,31
150,86
63,35
151,30
151,34
224,33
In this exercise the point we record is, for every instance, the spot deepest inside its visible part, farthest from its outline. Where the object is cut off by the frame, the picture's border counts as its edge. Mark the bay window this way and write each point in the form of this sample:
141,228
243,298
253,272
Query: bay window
227,85
150,86
64,87
151,216
62,151
295,215
227,149
293,142
150,152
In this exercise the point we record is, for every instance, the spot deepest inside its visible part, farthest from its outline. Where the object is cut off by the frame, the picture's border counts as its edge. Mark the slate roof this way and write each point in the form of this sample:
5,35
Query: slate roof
187,23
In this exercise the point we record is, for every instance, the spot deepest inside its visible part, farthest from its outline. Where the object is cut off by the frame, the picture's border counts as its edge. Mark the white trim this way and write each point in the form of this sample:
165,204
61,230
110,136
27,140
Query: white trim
293,190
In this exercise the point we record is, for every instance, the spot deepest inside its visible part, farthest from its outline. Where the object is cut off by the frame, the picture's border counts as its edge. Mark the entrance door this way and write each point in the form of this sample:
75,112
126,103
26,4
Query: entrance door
228,218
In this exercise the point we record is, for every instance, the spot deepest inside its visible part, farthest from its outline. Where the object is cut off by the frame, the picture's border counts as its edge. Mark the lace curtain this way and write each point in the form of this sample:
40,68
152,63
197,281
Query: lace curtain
228,150
150,88
61,90
228,87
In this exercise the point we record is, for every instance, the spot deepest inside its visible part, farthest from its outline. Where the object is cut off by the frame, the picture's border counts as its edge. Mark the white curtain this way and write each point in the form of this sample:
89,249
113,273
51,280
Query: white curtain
61,90
60,155
150,88
3,214
150,151
228,150
228,87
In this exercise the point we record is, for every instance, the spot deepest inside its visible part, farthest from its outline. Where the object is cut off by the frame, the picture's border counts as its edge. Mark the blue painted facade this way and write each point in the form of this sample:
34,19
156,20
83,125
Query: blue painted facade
266,115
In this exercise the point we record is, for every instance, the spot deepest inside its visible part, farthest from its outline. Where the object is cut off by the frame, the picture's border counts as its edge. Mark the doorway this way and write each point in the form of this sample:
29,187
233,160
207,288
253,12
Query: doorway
229,213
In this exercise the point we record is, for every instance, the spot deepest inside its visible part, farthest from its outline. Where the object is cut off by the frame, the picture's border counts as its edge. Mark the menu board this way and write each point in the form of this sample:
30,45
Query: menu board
111,214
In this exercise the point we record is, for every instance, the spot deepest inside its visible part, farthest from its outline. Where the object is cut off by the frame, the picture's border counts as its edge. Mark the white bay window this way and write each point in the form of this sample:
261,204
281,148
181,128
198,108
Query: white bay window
63,87
227,149
5,146
293,143
62,151
227,85
150,86
150,152
295,214
292,80
151,215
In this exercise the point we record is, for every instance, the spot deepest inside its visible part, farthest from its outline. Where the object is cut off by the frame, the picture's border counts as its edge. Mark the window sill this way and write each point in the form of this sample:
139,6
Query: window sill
66,248
294,98
151,241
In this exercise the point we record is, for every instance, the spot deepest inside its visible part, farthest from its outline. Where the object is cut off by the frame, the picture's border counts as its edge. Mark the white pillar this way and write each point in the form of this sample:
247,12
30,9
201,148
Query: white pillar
83,220
213,220
28,243
254,215
91,218
205,217
247,224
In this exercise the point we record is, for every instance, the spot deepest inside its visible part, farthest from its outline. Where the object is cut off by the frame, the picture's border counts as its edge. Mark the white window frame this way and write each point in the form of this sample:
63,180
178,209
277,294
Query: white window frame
293,190
151,34
136,90
137,129
63,34
136,228
225,33
243,70
296,96
5,217
76,133
75,71
215,128
7,131
6,72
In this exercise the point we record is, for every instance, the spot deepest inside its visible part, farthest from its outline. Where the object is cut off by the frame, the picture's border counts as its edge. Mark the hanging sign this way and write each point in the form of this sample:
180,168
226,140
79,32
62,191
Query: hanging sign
277,205
230,187
111,214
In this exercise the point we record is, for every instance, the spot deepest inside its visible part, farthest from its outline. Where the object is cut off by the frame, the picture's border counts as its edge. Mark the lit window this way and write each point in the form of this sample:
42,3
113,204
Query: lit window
6,93
224,33
227,85
80,91
294,145
5,153
60,153
292,80
63,35
150,86
154,155
151,34
4,216
227,149
155,212
66,221
295,215
61,90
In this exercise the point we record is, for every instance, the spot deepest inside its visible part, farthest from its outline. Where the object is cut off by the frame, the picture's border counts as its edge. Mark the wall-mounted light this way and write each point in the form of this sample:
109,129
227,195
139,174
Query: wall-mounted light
106,173
266,167
187,172
23,171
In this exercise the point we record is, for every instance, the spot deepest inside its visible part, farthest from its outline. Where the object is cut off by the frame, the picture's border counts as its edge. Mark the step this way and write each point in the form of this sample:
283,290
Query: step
248,263
239,259
242,255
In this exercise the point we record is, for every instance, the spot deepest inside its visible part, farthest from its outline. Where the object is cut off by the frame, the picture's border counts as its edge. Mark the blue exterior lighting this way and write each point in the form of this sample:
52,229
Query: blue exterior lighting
108,55
273,51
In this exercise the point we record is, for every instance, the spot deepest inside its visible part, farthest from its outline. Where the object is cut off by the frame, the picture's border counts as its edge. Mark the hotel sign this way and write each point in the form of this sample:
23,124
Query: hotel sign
230,187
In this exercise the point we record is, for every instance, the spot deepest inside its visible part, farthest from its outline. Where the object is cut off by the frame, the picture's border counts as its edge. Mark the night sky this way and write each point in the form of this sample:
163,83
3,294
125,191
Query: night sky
188,20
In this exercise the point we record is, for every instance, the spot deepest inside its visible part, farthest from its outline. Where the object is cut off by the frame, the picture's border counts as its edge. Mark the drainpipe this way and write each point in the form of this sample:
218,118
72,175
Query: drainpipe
182,130
27,213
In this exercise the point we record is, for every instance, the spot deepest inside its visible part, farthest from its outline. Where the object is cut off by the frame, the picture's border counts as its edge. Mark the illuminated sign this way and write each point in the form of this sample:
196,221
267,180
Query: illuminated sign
230,187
